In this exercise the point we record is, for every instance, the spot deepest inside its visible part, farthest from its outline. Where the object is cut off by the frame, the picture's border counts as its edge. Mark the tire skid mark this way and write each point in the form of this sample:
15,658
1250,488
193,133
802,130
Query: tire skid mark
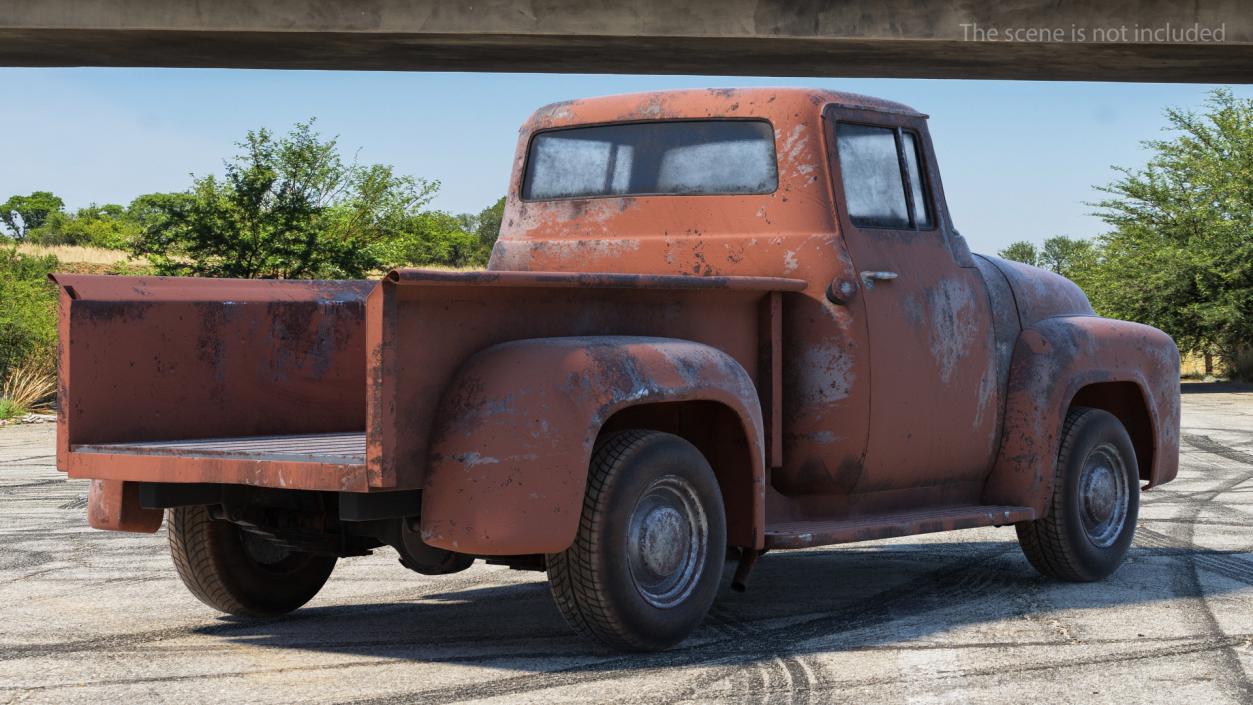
1213,447
1193,646
365,662
145,639
1223,564
1186,582
948,585
775,674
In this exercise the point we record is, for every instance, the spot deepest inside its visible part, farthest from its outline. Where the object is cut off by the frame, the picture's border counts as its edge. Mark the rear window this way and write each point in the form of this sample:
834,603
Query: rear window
691,157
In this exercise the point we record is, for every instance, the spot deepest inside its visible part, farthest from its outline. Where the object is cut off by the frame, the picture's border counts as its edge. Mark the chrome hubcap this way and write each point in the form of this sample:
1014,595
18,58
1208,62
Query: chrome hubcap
1103,495
668,538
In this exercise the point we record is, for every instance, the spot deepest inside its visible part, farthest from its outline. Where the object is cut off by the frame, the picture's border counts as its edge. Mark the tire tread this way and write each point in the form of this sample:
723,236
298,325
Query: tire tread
1047,542
576,583
192,551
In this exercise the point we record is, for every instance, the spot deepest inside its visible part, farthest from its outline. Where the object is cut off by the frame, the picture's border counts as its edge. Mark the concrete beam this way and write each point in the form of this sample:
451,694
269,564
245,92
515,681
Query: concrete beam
891,38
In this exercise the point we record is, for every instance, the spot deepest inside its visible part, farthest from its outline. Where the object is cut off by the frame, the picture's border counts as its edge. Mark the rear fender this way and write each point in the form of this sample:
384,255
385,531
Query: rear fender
1053,361
510,453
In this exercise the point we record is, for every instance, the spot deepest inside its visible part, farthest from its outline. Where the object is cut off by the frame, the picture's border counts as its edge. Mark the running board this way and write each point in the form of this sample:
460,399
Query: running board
803,534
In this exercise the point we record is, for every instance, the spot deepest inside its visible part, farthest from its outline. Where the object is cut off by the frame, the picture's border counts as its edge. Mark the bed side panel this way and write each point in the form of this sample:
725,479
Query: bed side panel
430,331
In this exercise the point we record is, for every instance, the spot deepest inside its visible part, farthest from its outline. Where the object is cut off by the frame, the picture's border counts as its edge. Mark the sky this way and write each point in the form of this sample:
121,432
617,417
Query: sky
1019,159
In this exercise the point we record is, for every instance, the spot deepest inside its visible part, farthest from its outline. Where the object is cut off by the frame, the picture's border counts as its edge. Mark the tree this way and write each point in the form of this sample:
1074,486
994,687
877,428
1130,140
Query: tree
286,207
1021,251
1180,252
432,238
109,226
1066,256
21,214
488,224
28,316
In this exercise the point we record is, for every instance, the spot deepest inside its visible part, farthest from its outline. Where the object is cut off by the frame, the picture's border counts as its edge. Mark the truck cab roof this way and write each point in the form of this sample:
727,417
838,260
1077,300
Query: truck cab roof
566,230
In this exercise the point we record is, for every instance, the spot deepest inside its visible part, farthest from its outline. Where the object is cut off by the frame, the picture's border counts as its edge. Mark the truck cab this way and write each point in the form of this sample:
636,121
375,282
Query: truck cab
714,320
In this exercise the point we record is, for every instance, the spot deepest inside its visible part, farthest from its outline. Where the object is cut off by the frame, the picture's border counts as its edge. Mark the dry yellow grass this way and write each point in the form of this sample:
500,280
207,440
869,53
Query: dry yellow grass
76,254
29,387
1193,365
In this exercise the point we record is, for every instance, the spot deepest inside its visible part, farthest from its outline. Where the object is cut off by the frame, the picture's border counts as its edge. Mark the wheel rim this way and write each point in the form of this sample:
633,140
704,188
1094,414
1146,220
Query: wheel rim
265,553
668,539
1104,495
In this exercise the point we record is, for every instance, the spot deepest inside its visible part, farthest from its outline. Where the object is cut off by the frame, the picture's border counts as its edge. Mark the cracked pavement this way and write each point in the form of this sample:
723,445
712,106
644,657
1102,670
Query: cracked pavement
960,617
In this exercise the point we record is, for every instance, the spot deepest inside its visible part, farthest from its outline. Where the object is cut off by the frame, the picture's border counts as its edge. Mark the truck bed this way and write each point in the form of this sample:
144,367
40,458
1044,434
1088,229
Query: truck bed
330,448
334,386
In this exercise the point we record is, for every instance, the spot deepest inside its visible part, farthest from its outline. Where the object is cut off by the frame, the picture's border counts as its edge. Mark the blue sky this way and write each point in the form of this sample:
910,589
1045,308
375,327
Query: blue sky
1018,158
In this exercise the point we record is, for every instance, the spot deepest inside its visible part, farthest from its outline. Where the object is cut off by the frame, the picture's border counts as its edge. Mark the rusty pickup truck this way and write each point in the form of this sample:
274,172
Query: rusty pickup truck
716,323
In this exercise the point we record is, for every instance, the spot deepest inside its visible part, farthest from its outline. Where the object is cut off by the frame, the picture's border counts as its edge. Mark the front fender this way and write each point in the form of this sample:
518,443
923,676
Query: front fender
1052,361
510,454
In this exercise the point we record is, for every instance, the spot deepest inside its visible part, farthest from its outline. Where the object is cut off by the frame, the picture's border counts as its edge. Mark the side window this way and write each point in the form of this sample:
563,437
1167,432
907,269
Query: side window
873,189
883,182
922,205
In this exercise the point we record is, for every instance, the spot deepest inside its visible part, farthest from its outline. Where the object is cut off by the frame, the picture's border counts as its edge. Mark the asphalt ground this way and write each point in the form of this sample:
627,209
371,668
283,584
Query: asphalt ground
89,616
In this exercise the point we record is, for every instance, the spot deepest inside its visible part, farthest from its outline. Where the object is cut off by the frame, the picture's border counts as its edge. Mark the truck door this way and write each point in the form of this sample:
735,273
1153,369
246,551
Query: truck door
933,419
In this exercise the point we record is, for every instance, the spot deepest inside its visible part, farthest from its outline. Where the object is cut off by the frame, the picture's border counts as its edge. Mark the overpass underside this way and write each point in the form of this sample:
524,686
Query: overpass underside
1209,41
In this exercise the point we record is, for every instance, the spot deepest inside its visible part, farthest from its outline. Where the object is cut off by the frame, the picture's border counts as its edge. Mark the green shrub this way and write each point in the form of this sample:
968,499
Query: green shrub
432,238
10,410
28,318
108,226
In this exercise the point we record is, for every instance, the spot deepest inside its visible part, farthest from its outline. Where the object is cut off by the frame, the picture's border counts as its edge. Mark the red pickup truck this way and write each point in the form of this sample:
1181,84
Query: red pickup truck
717,323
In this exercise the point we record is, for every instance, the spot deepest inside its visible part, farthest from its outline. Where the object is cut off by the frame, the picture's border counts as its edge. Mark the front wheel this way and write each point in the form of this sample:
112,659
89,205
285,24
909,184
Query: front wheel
238,572
1096,499
646,561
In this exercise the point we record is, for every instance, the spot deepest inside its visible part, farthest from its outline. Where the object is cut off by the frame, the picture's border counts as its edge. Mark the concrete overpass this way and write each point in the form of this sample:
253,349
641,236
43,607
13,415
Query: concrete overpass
1132,40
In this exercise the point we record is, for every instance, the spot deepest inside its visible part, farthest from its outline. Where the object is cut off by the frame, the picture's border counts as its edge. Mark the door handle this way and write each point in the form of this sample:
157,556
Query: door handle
869,278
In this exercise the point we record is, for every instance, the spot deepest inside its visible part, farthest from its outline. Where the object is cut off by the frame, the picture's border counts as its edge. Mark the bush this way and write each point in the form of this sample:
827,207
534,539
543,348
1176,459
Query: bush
108,226
10,410
432,238
28,318
28,387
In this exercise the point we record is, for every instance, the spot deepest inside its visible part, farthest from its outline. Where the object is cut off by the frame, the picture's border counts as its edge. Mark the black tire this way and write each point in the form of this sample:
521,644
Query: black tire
239,573
633,578
1086,534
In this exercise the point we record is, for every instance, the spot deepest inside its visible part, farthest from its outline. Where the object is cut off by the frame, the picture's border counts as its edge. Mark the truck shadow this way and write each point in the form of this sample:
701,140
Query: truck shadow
830,600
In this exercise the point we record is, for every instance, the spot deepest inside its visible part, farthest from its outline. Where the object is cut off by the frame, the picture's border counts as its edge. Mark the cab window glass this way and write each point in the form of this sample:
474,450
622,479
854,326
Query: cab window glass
881,170
922,210
689,157
874,192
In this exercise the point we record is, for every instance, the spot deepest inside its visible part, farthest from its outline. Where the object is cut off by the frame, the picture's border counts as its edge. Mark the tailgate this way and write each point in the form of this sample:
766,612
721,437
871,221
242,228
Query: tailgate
213,380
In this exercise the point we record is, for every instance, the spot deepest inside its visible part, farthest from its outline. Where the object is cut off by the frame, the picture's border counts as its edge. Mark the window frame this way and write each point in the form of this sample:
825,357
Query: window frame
530,143
898,136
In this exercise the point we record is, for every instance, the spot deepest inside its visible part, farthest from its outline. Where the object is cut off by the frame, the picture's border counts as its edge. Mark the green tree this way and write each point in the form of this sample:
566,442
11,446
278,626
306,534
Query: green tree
432,238
1180,252
487,225
1021,251
109,226
28,318
21,214
1067,256
286,207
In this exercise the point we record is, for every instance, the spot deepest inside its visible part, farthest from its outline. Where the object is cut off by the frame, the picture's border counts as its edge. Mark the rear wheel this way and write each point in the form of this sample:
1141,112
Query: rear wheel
1095,503
238,572
645,565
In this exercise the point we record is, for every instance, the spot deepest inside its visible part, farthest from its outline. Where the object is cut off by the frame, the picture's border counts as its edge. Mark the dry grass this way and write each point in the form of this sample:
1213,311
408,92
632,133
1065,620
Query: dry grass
29,387
76,254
